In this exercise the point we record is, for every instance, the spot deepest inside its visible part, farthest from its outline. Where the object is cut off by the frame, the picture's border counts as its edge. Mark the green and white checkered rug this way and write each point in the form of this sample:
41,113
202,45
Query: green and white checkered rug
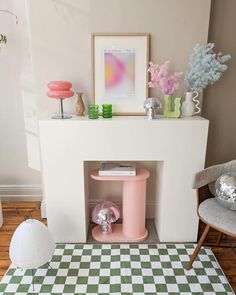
121,269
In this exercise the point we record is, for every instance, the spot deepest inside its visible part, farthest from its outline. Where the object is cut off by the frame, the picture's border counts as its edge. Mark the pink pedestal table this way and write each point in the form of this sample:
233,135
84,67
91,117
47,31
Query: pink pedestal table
134,209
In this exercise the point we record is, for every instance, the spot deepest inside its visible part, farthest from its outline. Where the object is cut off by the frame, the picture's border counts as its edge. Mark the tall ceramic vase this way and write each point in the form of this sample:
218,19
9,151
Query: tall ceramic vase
190,106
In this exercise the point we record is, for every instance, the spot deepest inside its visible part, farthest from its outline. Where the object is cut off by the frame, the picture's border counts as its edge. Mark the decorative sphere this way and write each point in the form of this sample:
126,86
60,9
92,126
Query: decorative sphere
225,190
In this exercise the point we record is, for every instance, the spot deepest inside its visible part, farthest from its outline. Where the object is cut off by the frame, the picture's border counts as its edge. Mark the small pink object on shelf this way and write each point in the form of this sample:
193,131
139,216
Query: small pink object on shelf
60,90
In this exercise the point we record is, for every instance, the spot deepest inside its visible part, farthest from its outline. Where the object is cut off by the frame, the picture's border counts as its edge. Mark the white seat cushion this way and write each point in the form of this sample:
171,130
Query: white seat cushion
217,215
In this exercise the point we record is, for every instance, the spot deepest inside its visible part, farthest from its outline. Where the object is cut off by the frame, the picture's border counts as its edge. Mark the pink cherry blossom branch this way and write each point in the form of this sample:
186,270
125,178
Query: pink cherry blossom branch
159,78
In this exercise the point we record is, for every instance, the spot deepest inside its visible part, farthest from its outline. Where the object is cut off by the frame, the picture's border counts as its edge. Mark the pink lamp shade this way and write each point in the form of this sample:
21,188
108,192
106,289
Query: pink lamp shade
60,90
59,85
60,94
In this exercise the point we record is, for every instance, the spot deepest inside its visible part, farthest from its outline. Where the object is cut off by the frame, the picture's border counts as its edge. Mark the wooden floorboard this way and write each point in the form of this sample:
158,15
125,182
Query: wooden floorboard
15,212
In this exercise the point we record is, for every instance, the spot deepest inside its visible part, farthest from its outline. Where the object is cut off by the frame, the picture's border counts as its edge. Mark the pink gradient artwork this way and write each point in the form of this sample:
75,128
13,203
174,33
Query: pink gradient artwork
119,69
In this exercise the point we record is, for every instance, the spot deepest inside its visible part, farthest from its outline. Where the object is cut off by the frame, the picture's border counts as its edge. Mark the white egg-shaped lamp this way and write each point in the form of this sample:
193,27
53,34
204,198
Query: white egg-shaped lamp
31,245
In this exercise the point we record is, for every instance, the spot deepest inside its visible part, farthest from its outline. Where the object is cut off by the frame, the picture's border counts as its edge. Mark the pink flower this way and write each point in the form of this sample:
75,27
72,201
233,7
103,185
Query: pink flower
160,79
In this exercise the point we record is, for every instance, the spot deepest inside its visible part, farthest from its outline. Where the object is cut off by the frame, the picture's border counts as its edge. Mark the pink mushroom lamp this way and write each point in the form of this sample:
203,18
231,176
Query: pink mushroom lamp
105,214
60,90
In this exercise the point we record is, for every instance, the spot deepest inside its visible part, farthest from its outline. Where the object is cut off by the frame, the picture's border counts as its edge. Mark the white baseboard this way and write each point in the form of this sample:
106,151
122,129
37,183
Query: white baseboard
21,193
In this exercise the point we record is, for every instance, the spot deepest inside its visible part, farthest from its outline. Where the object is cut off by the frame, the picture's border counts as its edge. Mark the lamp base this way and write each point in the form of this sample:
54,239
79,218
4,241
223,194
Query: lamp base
60,116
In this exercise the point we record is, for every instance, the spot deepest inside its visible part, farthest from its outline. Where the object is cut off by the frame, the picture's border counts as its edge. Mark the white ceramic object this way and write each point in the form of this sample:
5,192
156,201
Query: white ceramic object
1,217
190,104
31,245
67,145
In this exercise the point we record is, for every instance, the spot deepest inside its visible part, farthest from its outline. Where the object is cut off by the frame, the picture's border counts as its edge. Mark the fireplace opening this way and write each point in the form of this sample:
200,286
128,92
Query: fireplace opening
99,191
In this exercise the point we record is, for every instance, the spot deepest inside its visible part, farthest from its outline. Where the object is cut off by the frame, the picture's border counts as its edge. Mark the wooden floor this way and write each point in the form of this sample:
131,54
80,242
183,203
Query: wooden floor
14,213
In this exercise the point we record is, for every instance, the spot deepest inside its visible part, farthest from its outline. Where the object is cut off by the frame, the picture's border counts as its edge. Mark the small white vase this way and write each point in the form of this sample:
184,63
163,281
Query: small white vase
190,105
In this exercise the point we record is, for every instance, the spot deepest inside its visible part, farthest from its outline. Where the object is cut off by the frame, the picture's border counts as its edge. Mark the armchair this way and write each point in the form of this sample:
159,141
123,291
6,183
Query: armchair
213,214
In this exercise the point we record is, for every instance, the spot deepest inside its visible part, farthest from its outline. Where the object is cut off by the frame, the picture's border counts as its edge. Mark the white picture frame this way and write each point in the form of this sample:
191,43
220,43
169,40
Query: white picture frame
119,66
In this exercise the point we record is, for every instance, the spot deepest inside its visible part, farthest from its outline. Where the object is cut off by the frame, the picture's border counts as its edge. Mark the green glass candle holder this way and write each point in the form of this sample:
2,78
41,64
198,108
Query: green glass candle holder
93,116
107,116
93,111
93,107
107,110
107,107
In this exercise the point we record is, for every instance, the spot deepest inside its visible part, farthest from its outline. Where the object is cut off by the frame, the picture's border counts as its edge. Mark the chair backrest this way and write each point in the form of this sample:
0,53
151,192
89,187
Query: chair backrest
211,174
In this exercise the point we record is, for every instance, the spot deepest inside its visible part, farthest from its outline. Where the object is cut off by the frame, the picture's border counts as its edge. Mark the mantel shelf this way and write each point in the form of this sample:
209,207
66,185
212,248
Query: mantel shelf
158,119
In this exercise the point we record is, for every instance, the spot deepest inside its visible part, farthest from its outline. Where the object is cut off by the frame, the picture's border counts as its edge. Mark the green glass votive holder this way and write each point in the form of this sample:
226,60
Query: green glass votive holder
107,107
93,111
93,107
93,116
107,111
107,116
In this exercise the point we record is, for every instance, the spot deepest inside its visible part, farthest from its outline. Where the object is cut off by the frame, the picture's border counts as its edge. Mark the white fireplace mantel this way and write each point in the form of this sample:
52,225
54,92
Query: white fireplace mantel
66,145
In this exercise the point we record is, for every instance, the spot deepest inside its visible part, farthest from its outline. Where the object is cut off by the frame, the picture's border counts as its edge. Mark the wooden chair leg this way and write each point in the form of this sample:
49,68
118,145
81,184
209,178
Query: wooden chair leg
219,239
197,249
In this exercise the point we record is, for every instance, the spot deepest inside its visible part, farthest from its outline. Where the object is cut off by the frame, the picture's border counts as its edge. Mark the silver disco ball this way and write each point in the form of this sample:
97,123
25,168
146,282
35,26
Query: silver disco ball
225,190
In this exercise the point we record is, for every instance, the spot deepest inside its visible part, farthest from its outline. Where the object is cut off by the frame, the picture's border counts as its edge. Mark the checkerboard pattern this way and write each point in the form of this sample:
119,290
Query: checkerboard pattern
121,269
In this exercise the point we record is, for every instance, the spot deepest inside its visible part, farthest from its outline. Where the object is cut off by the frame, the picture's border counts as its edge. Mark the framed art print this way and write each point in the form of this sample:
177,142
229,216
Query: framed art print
120,64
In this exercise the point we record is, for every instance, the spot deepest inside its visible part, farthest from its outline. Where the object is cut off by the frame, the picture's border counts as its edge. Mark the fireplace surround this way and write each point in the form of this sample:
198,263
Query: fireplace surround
66,146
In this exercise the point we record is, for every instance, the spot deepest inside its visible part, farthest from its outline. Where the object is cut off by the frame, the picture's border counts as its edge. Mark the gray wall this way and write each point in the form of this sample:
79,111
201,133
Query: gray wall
219,103
19,157
61,36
